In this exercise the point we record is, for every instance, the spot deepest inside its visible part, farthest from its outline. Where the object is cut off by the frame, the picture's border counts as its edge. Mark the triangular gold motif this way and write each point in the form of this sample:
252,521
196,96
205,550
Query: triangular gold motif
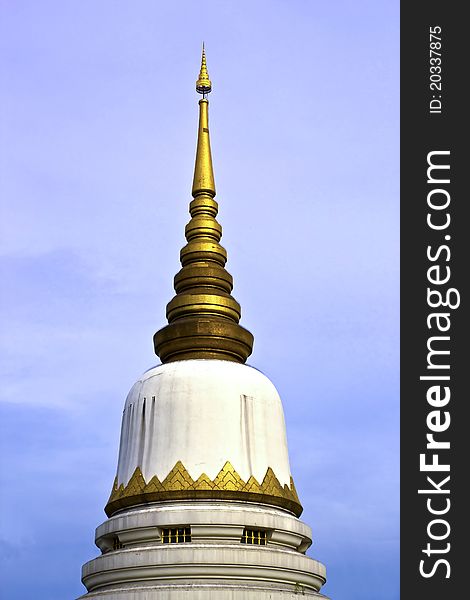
226,485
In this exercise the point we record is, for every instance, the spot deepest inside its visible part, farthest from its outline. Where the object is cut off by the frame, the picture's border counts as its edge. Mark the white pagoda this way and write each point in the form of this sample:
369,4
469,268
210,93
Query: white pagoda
203,506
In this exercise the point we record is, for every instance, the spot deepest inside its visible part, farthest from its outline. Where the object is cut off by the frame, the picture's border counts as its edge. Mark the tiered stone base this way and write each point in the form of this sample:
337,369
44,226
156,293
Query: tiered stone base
214,565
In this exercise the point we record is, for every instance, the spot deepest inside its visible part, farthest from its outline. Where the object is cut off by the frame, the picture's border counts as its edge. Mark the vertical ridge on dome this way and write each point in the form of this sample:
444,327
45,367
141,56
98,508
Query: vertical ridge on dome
203,317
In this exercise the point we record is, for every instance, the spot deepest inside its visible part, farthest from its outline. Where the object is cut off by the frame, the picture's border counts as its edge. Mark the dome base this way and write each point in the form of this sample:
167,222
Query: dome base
209,591
214,561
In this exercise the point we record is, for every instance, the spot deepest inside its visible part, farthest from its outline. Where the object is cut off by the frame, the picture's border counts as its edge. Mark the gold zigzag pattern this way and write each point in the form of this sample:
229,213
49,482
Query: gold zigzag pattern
179,484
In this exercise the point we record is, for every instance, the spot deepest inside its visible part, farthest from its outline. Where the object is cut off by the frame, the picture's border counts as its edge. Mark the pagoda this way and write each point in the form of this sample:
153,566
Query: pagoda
203,506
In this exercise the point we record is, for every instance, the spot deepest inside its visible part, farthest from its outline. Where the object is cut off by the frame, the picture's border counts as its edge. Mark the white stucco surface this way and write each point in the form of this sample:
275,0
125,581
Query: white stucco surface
203,413
213,565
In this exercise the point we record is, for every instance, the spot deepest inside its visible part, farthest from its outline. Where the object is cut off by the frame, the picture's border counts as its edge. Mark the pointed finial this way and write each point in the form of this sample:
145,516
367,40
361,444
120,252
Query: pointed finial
203,84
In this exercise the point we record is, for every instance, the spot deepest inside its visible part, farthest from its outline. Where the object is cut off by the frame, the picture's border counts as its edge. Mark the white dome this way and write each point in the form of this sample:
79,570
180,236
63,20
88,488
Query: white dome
203,413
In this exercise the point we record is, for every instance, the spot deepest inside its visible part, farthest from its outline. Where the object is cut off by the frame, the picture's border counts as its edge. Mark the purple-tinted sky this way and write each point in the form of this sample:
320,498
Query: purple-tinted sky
99,121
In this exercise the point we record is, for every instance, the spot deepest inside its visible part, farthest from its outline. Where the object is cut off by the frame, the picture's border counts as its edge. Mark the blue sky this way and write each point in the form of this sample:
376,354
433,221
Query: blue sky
99,122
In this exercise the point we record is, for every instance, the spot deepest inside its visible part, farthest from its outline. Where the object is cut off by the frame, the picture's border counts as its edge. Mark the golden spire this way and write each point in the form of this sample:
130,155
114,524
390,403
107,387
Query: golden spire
203,316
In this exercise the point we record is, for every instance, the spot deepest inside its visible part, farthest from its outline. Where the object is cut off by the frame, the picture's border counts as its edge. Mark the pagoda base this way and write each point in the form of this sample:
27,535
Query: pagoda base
213,591
214,565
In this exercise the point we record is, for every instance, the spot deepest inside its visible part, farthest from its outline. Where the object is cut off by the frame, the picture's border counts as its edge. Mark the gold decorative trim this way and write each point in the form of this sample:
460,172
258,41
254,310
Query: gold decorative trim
227,485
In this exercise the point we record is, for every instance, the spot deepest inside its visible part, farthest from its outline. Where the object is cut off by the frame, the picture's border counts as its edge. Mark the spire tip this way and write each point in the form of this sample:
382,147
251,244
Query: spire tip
203,84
